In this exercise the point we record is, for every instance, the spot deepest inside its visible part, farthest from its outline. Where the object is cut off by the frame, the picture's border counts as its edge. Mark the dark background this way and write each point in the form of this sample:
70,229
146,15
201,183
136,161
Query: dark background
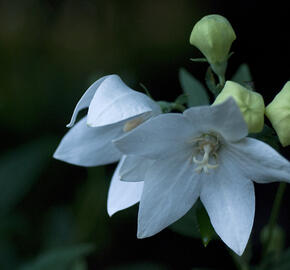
50,52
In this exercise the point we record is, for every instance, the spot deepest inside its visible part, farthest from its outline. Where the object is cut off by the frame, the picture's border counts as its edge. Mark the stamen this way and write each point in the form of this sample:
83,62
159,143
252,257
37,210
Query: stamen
208,145
131,124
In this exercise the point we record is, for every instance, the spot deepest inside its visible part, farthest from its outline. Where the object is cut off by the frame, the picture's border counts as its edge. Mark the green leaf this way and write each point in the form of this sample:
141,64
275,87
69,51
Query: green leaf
20,168
242,75
206,230
58,227
195,91
274,262
59,259
80,265
91,210
277,242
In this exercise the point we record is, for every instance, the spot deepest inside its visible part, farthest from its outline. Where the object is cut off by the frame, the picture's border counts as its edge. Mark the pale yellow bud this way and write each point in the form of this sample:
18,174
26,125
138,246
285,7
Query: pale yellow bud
250,103
278,112
213,35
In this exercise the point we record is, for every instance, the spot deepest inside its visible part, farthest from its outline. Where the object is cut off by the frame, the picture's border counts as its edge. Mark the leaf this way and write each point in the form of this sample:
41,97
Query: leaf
206,230
243,74
273,262
60,258
195,91
80,265
91,215
58,227
20,168
276,245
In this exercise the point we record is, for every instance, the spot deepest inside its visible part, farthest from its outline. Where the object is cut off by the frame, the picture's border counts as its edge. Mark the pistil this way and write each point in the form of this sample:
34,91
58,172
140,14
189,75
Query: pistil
207,145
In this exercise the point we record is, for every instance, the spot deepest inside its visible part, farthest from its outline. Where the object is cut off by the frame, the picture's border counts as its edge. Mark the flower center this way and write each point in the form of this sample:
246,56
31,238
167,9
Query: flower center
131,124
206,147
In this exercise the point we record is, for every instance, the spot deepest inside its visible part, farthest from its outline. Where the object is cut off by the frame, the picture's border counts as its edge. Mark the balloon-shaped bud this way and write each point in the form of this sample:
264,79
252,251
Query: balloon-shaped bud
213,35
250,103
278,112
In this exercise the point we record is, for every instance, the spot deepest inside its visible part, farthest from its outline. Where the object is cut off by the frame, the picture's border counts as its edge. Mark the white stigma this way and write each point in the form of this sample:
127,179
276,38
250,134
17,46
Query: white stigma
207,145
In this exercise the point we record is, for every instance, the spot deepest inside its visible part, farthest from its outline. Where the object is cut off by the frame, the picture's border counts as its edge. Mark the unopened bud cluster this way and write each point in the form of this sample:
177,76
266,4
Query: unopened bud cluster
213,35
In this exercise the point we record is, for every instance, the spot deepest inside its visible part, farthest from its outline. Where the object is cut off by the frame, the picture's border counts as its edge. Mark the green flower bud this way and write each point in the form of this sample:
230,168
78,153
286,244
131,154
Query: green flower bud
278,112
250,103
213,35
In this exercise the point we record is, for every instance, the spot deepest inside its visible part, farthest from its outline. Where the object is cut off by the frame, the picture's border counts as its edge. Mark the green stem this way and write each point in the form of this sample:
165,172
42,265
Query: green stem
221,81
239,262
274,216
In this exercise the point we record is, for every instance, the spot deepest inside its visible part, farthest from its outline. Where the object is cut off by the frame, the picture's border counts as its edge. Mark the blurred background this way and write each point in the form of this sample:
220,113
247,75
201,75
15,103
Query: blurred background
53,214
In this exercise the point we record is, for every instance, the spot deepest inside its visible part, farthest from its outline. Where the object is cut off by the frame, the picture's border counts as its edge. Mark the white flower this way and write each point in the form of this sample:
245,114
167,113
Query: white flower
202,153
113,110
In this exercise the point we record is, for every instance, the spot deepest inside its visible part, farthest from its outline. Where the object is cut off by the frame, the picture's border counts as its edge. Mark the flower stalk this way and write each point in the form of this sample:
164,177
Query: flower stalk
273,217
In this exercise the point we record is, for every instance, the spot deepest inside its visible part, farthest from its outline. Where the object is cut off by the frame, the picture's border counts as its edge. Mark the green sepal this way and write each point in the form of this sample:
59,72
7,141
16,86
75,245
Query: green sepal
145,90
211,82
195,91
182,99
243,75
167,107
230,55
198,60
195,224
207,232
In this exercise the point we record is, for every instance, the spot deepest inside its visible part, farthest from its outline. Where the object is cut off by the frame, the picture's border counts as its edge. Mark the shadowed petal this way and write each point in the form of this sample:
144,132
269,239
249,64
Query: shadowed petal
159,138
171,188
260,162
224,118
115,101
134,168
85,100
86,146
122,194
229,199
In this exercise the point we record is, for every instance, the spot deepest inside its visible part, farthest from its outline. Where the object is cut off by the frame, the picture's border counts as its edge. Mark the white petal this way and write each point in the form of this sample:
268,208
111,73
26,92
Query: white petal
171,188
224,118
115,101
85,100
122,194
134,168
160,137
86,146
260,162
229,199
